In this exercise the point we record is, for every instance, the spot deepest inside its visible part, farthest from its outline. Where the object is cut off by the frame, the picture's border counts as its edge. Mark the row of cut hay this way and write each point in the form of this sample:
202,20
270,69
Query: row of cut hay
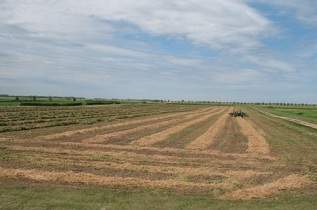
105,138
230,138
146,158
177,152
210,154
185,136
112,126
150,170
70,177
256,141
290,182
77,164
163,135
246,193
205,140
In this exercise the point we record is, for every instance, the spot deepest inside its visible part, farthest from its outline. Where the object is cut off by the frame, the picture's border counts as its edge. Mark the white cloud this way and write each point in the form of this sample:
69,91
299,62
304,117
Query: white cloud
108,47
216,23
238,77
114,51
304,10
270,64
191,62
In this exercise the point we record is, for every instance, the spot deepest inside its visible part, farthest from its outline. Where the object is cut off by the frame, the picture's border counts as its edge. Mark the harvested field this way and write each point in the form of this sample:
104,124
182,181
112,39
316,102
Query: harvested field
290,182
257,142
207,139
230,139
196,150
161,136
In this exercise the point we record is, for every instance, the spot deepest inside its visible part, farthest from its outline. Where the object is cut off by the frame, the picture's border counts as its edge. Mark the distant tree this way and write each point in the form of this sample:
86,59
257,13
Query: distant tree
74,99
17,98
34,98
50,98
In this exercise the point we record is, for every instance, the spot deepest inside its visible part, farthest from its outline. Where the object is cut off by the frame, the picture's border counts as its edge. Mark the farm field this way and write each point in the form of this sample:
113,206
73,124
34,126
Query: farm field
155,156
306,113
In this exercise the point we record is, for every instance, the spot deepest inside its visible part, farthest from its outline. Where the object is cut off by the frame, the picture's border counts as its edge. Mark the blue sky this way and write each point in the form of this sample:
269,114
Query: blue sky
229,50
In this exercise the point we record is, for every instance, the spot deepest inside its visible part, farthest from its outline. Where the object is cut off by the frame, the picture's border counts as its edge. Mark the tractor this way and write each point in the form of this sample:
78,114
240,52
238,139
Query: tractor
238,114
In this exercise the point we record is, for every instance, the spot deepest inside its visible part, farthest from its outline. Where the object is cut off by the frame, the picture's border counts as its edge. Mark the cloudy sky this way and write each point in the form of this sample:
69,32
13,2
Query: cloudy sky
243,50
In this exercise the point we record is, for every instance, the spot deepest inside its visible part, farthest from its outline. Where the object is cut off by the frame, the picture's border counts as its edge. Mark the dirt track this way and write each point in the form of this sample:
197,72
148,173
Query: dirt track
301,122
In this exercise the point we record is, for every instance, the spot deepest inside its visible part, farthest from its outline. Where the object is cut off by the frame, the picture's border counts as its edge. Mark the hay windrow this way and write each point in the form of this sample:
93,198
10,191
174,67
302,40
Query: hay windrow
5,139
161,136
71,177
111,126
109,158
162,169
107,137
126,156
287,183
256,142
206,139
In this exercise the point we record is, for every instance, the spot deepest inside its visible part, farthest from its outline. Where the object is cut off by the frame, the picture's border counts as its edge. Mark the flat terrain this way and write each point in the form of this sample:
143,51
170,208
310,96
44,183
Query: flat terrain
306,113
155,156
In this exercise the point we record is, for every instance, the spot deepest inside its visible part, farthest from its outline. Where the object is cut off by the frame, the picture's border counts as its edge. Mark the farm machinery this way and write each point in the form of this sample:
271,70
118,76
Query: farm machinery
238,114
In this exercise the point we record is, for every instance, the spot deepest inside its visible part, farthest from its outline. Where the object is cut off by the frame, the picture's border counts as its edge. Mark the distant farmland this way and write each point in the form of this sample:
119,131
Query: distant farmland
160,156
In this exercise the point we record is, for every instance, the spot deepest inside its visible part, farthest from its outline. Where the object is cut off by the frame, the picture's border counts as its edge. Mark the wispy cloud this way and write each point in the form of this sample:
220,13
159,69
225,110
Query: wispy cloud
304,10
200,21
200,49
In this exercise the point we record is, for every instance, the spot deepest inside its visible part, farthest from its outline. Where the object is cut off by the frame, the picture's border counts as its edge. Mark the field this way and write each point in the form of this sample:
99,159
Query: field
305,113
157,156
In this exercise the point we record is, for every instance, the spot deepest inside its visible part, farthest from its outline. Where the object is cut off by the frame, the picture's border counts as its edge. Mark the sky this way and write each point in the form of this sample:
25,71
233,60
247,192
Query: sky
219,50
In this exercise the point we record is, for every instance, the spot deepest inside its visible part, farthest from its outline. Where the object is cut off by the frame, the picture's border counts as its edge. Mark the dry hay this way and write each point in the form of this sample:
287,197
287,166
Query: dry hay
115,125
286,183
105,138
256,142
135,157
161,136
144,164
71,177
5,139
207,139
154,169
108,136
